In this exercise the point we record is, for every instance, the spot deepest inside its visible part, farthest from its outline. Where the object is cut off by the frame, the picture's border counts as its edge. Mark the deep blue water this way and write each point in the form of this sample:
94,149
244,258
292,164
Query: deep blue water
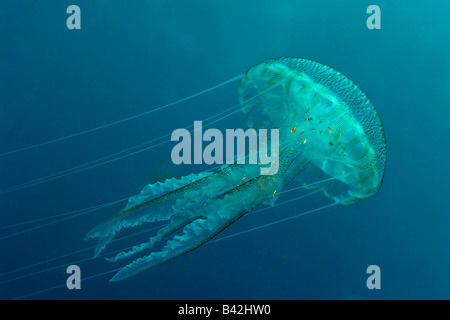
130,57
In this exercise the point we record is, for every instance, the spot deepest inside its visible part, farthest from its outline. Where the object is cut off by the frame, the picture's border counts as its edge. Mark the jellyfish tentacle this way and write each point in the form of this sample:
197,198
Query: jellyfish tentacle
159,198
162,201
222,212
194,236
163,233
215,215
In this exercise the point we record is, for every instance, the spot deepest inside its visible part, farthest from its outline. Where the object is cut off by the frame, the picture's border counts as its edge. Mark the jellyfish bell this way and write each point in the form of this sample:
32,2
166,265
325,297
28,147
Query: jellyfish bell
325,118
330,139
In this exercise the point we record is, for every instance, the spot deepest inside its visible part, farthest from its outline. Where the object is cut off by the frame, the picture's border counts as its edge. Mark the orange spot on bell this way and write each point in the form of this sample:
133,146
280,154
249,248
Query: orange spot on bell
261,184
293,129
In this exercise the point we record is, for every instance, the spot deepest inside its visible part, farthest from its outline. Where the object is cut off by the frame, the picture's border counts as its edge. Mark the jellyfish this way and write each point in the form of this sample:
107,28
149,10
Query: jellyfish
330,139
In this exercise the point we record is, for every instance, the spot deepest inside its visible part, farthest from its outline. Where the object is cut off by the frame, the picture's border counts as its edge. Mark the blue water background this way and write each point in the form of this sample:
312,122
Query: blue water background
131,56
